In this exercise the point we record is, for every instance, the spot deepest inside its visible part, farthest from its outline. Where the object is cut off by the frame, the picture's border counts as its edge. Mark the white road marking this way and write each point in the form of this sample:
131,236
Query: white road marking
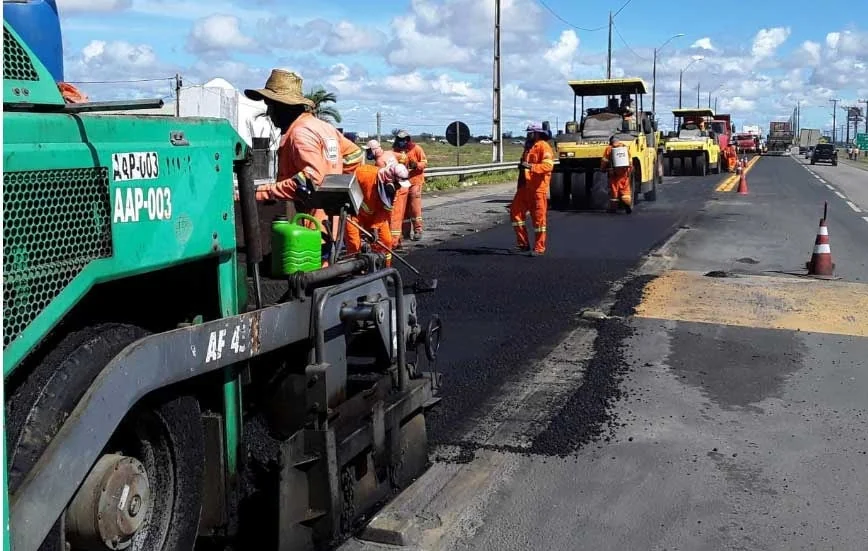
854,207
841,195
822,181
830,187
817,176
865,218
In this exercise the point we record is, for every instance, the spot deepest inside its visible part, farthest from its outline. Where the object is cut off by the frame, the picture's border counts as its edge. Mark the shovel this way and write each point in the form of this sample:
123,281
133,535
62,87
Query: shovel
421,285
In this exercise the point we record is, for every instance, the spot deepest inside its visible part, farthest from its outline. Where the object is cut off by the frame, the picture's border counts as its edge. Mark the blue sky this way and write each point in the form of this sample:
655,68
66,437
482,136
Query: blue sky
423,63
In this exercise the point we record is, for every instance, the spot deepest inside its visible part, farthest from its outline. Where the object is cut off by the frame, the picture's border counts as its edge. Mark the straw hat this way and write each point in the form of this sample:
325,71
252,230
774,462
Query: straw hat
283,87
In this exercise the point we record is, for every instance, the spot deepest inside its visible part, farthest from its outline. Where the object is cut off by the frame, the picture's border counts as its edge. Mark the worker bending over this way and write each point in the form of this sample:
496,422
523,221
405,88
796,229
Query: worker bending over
310,148
375,152
408,209
616,162
535,172
379,187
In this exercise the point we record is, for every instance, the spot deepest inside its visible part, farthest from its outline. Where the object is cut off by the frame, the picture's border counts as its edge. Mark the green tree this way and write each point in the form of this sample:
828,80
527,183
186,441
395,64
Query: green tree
321,97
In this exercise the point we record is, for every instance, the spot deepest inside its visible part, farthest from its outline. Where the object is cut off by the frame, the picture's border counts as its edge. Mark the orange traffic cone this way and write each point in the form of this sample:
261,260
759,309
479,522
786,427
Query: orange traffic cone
742,183
821,261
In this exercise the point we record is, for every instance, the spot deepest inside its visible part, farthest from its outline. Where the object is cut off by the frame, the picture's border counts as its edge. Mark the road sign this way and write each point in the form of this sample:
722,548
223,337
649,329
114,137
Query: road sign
457,133
862,141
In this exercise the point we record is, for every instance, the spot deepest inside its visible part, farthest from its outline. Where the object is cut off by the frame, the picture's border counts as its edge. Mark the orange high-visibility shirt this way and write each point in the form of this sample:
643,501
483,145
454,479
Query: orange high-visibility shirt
542,161
417,154
372,210
314,147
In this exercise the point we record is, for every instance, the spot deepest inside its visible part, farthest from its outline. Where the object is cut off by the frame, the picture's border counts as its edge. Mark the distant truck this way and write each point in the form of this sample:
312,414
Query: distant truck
747,143
808,138
780,137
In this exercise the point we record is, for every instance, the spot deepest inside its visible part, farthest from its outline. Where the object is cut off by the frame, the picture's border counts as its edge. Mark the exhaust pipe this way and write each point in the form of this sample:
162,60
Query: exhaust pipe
250,222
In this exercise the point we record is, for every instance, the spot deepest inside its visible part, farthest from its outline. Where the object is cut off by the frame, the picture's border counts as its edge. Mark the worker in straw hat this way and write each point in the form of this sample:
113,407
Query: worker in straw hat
309,149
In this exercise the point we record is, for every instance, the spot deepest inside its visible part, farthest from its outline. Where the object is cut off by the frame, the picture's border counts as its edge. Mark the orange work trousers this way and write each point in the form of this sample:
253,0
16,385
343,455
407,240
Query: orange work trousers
413,218
535,200
380,228
399,208
619,188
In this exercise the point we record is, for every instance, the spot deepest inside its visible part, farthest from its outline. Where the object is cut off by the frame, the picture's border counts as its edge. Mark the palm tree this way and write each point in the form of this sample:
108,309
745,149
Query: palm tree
320,97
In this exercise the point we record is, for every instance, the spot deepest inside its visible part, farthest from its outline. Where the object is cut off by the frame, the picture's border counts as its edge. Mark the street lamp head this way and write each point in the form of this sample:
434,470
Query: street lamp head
679,35
698,57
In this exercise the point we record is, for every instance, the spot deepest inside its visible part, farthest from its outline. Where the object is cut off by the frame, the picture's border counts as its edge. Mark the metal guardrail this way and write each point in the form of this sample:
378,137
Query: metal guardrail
438,171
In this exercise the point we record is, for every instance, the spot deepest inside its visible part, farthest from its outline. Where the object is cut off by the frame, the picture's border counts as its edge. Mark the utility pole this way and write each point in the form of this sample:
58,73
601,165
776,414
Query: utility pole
709,101
654,85
497,116
609,59
846,109
697,94
715,105
865,101
379,122
177,95
834,119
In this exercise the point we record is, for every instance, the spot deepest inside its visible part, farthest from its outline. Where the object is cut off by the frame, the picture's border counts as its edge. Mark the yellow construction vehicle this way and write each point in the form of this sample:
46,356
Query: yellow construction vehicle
695,141
581,145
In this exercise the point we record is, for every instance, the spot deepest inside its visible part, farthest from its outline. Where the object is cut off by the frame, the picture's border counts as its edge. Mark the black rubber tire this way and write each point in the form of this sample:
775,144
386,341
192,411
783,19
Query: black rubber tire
558,192
700,166
635,185
165,434
652,194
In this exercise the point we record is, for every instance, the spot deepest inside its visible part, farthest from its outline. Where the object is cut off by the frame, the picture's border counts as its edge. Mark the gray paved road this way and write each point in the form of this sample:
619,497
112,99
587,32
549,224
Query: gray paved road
709,413
847,179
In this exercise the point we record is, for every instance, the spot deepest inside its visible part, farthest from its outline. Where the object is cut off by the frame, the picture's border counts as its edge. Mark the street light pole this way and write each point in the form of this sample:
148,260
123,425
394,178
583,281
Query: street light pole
834,119
697,95
654,73
609,59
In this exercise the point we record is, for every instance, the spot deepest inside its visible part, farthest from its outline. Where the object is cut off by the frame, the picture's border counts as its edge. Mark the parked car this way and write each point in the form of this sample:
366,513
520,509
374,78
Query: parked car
825,152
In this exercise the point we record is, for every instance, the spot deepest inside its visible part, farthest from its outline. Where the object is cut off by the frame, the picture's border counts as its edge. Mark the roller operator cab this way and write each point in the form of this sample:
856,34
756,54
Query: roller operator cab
577,182
695,144
163,390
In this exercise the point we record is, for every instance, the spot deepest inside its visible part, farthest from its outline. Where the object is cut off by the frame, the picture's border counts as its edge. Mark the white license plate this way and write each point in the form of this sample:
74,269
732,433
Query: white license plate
135,166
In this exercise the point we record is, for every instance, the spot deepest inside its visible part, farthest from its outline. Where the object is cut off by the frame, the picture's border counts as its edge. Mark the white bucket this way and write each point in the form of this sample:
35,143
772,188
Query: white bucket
620,157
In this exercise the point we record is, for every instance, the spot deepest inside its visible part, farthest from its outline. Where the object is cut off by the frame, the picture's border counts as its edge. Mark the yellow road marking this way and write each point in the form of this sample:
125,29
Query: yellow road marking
730,183
765,302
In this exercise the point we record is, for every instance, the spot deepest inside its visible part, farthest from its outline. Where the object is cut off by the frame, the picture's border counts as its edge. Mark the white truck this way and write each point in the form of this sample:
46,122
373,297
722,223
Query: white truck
808,138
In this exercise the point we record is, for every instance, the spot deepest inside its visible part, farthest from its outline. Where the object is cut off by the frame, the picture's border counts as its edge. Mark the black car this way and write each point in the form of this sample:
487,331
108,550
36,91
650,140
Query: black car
825,152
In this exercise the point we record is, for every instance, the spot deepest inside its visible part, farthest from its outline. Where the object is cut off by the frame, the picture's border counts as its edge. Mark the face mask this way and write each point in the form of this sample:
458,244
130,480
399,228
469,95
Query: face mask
369,155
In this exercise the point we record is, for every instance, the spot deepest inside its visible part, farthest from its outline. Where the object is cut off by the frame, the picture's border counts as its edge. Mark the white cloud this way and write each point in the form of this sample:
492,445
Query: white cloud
704,44
767,41
810,53
217,33
65,7
346,38
561,55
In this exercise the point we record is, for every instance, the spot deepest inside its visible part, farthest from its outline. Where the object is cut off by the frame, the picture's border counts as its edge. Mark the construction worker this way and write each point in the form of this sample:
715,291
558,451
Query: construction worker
535,172
379,189
408,212
375,152
309,149
619,176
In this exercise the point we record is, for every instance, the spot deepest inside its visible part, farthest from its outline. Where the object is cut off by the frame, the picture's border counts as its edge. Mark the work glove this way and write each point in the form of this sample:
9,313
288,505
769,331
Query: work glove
525,165
412,165
304,188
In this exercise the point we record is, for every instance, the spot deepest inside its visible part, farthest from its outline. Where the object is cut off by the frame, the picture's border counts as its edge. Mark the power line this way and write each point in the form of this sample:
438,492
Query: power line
627,45
565,22
621,8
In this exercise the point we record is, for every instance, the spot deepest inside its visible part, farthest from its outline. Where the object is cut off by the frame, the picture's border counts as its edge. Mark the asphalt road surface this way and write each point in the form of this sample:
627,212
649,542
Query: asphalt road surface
669,379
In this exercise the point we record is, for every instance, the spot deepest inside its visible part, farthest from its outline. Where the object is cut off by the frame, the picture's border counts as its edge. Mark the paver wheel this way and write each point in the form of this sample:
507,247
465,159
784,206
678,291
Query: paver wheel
157,450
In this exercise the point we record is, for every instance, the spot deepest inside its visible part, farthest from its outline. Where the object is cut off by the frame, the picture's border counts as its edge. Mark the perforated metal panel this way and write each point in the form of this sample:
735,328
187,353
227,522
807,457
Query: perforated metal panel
55,222
16,63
